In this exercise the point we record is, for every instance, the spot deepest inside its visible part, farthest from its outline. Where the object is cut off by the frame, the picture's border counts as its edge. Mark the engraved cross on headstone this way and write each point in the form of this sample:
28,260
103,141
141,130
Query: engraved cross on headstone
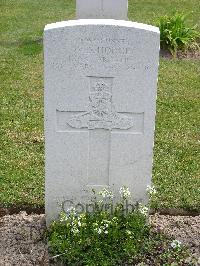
104,9
102,120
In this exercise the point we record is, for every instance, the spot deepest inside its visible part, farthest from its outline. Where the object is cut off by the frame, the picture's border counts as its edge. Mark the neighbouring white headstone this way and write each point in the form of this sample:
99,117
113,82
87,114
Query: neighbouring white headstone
100,104
104,9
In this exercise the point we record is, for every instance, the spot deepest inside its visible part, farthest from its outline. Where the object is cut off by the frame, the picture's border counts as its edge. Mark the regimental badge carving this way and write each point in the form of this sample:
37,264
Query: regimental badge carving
101,112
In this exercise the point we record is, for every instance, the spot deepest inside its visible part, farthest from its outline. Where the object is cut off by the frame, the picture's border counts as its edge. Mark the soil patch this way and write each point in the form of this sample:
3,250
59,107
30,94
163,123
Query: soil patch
22,240
181,54
183,228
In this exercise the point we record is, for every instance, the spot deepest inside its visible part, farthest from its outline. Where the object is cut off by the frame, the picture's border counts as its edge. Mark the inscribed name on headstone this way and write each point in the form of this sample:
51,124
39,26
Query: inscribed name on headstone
100,103
105,9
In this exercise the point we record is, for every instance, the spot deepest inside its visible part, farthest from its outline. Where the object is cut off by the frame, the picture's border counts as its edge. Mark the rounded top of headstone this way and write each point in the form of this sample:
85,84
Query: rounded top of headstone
101,22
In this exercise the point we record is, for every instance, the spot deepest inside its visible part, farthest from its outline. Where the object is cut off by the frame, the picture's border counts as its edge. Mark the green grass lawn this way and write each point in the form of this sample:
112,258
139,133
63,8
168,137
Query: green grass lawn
177,154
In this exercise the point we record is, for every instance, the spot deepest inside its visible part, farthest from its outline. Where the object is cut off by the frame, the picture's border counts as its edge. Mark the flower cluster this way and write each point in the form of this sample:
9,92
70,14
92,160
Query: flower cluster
69,213
63,217
124,192
105,193
151,190
143,209
74,228
102,227
74,222
176,244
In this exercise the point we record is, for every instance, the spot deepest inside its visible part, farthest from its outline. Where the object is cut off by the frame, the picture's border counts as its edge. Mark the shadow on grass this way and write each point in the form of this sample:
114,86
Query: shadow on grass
29,209
15,209
26,47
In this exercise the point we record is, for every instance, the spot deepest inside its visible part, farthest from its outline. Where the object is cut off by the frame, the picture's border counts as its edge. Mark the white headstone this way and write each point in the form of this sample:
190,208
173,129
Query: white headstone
100,104
95,9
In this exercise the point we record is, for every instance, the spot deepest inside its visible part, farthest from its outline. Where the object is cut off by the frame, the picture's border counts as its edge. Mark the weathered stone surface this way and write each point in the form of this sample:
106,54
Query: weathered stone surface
95,9
100,102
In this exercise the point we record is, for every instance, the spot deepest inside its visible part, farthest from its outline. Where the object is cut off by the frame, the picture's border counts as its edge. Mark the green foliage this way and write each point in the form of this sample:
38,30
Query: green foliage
176,35
103,237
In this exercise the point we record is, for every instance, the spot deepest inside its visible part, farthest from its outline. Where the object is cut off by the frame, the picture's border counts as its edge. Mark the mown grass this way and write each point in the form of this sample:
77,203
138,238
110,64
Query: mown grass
177,153
148,11
176,163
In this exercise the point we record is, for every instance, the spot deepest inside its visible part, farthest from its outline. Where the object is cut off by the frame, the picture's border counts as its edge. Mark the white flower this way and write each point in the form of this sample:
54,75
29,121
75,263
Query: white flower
143,209
114,219
82,216
105,193
63,217
151,190
124,192
71,211
79,223
128,232
99,231
75,230
106,232
97,228
176,244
